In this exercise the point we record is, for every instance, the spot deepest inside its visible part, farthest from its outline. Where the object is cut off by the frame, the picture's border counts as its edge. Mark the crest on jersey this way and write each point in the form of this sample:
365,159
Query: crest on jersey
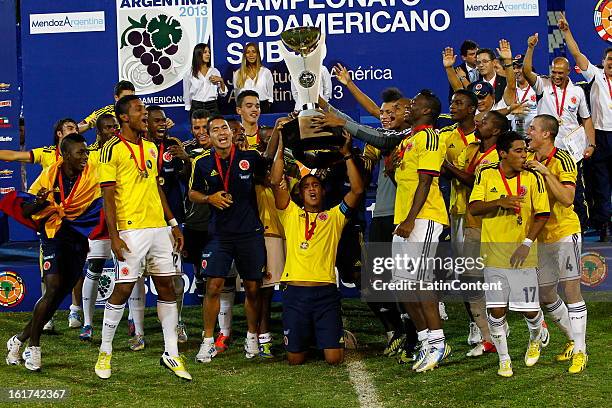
522,190
12,289
602,18
167,157
323,216
574,100
244,165
204,263
125,271
533,98
46,266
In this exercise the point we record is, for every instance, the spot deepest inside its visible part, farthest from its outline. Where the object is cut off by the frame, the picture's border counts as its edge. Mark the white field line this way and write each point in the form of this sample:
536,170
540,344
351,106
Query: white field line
366,392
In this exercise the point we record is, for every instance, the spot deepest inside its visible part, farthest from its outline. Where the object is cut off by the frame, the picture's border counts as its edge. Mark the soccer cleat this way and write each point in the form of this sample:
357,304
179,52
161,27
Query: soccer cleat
222,343
420,354
181,332
579,362
207,352
32,358
49,327
131,328
137,342
544,334
394,346
86,333
406,354
74,320
481,348
433,358
265,350
532,355
442,311
12,345
176,364
505,368
251,347
568,352
103,365
475,336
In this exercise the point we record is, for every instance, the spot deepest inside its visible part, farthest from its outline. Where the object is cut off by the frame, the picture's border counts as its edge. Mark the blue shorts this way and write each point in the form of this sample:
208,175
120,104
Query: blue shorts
248,253
64,254
312,312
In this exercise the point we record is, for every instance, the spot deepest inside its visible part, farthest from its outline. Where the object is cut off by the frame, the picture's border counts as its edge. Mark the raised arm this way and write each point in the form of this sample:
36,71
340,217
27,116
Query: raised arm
505,55
277,175
14,155
448,60
353,197
364,100
528,73
581,60
272,146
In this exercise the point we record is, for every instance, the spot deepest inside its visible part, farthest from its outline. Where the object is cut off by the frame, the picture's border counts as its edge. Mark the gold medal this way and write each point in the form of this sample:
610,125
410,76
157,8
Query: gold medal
304,245
560,121
144,173
161,180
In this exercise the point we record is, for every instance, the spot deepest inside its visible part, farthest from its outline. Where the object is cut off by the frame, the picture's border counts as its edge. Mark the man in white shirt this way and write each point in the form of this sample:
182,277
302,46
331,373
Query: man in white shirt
525,94
325,88
599,168
559,97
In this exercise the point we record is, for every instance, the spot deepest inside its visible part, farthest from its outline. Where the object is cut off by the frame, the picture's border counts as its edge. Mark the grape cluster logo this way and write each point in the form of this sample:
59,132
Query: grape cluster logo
603,19
155,44
106,284
12,289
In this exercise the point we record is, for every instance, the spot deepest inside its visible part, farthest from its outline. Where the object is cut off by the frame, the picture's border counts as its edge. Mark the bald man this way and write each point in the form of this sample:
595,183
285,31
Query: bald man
566,102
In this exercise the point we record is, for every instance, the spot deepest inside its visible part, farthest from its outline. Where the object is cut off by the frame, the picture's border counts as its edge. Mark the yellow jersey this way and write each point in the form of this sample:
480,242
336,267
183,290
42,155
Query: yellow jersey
563,220
504,230
93,116
470,160
455,142
420,152
136,197
267,211
314,259
45,156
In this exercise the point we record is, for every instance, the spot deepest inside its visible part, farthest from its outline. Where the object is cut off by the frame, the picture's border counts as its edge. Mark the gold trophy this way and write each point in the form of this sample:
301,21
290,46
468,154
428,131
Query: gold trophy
303,49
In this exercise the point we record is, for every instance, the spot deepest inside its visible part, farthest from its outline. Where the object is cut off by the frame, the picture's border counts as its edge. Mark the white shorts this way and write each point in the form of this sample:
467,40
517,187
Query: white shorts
517,289
99,249
275,261
421,244
457,233
559,261
151,252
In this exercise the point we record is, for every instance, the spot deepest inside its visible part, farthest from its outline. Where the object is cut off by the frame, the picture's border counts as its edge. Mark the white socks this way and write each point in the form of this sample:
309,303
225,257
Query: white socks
578,320
112,317
136,303
167,313
559,314
535,325
179,290
226,303
435,338
265,338
90,290
498,335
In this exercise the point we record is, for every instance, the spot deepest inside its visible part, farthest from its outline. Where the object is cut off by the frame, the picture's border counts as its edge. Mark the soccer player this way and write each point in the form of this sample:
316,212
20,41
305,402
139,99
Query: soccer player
559,257
99,250
598,169
247,106
138,231
514,207
478,153
312,301
122,88
224,178
456,138
174,169
65,209
420,215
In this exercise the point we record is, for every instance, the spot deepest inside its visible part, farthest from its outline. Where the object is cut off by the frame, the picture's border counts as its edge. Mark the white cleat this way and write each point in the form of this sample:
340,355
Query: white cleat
442,310
207,351
251,347
49,327
31,356
421,354
12,345
74,320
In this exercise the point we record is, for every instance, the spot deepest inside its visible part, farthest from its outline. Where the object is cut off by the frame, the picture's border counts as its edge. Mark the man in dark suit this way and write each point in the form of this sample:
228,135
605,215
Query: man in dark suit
468,68
485,63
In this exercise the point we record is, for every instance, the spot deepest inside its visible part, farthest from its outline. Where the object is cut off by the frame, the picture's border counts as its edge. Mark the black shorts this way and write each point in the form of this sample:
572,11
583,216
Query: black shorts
195,241
348,258
312,312
248,253
64,254
381,229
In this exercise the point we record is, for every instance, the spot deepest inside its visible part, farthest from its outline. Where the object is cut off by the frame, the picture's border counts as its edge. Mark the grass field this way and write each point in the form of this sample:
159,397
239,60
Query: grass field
232,381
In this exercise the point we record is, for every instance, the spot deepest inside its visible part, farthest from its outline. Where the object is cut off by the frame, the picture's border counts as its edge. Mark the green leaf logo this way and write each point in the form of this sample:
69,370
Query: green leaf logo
165,31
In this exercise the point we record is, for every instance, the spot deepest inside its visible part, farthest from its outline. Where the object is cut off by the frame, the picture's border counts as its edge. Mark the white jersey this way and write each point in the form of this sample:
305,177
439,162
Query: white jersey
520,123
601,97
574,105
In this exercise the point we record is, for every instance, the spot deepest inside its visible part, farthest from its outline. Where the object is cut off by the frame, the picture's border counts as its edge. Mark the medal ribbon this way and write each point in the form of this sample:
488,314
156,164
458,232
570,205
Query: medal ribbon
160,159
559,108
413,131
474,163
225,179
518,185
308,233
462,134
550,156
609,85
141,147
524,98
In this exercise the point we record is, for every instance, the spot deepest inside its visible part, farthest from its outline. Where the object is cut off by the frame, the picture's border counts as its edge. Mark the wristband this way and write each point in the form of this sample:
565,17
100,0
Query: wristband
527,242
347,157
173,223
508,65
592,145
